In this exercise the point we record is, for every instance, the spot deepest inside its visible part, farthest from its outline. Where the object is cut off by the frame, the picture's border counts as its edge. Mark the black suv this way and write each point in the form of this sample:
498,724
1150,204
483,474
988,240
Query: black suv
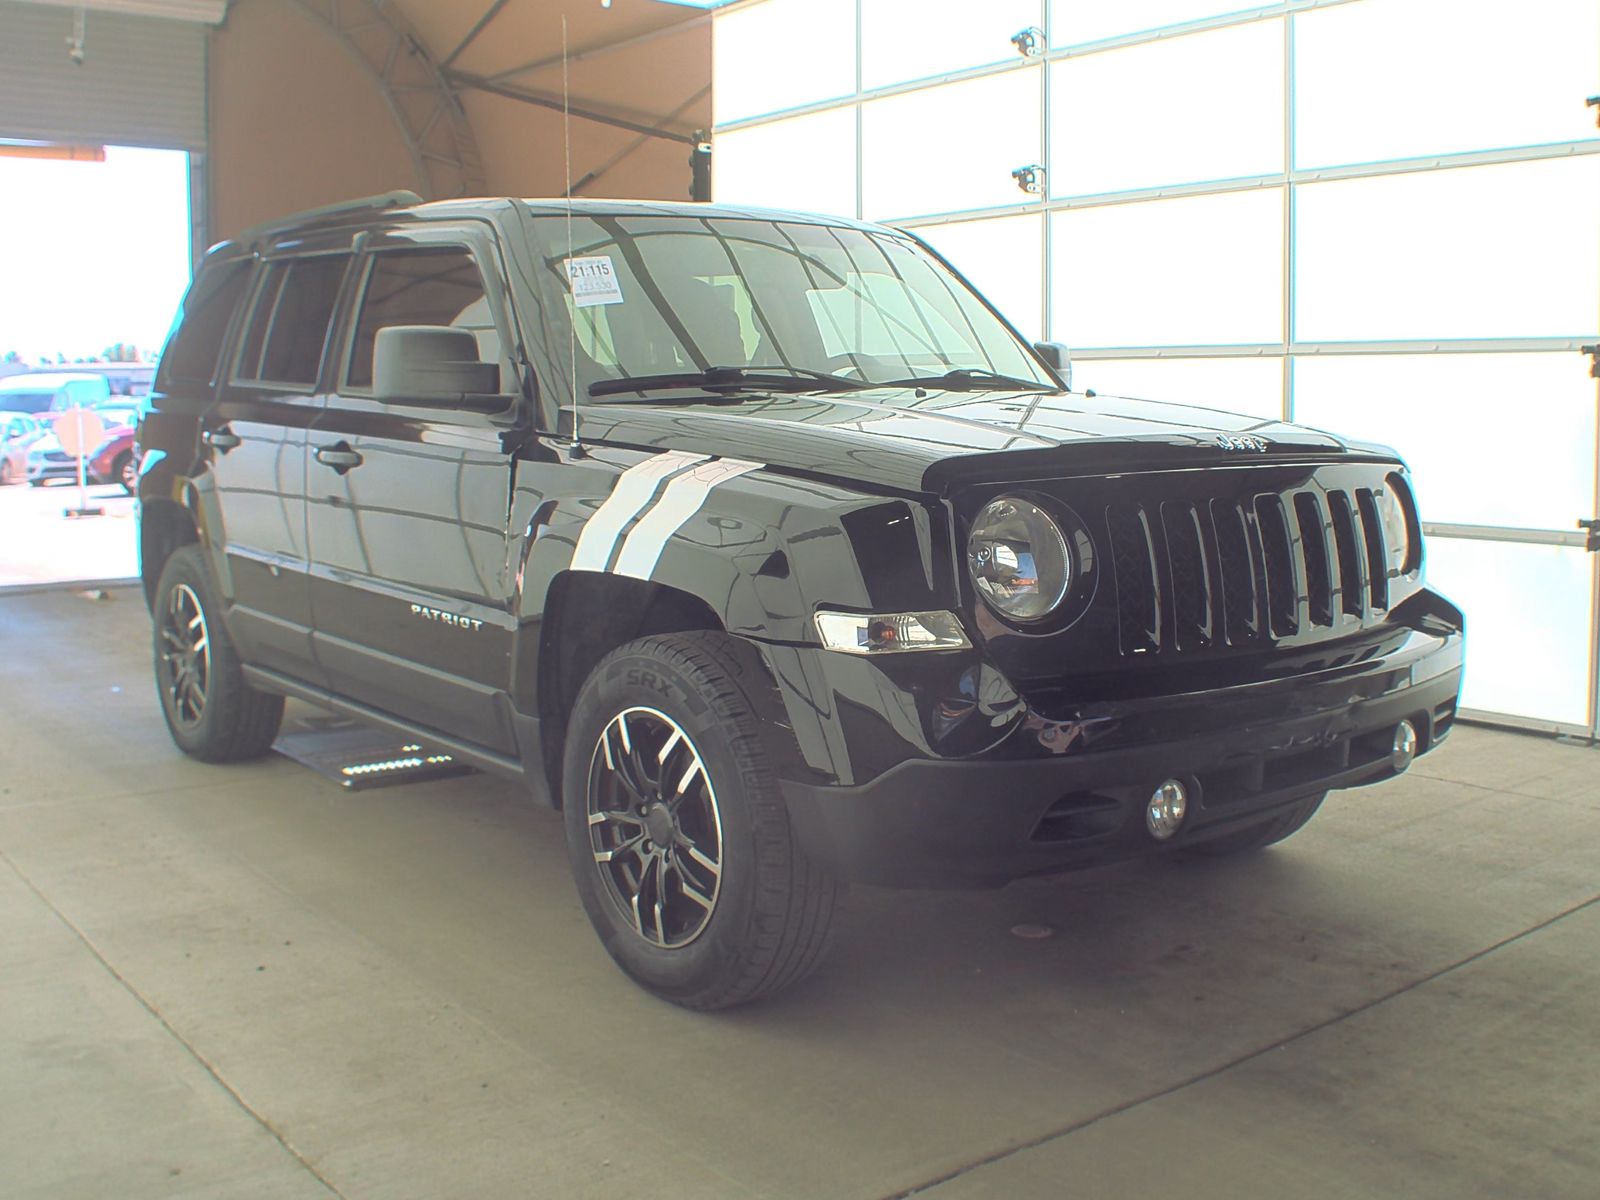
764,548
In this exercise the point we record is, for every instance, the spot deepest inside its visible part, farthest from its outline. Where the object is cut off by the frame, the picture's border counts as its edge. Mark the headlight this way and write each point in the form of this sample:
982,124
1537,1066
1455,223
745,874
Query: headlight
1019,559
1395,515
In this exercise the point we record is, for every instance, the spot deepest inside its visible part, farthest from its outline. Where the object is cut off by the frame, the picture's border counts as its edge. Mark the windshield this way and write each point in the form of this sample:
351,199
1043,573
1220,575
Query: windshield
680,296
17,400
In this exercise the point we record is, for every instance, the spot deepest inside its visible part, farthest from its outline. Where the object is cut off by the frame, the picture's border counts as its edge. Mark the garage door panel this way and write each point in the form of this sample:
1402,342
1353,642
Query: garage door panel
1407,78
1192,271
903,40
950,148
1499,251
782,54
1075,21
1114,119
1492,439
1529,652
806,163
142,81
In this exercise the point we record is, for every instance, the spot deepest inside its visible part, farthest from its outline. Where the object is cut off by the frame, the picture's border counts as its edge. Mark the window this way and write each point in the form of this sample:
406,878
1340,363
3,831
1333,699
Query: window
774,296
289,324
436,286
196,344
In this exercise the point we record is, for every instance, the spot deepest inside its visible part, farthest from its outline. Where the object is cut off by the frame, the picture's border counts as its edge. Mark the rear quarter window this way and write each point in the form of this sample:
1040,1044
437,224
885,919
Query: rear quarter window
195,347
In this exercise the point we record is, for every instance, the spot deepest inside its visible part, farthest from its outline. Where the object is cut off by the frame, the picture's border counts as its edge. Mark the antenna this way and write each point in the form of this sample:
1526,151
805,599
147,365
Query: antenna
572,322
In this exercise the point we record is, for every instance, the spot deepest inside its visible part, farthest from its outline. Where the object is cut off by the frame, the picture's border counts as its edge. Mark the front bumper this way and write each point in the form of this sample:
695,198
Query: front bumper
1244,752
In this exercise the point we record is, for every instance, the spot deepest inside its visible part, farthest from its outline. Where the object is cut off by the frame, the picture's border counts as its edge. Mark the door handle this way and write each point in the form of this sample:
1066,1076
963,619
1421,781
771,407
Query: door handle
339,456
223,439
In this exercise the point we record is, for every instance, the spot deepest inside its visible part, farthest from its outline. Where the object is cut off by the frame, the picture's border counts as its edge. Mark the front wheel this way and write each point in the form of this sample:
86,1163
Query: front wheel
1257,837
212,713
677,833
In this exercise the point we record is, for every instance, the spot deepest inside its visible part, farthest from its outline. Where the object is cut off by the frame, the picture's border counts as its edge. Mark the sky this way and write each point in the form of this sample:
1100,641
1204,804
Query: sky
92,254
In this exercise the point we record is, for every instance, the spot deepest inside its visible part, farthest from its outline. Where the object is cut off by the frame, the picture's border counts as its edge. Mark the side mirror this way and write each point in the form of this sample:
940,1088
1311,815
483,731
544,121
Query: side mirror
1058,358
430,363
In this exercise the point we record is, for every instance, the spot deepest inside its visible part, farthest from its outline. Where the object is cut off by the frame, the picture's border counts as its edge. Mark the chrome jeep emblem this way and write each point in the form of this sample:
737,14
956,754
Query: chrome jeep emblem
1244,442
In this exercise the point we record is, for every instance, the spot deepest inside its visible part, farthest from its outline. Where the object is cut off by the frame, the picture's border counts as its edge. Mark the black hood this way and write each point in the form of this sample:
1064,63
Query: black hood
930,441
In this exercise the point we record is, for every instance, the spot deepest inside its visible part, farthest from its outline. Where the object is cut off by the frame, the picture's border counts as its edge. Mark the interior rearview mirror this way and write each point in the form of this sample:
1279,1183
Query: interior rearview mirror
435,363
1058,358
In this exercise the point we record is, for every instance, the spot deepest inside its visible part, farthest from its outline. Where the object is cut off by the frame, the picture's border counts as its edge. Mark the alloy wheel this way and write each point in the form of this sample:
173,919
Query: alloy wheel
186,655
654,827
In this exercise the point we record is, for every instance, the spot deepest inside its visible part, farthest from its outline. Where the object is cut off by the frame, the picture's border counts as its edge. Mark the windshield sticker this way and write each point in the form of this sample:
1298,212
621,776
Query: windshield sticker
594,281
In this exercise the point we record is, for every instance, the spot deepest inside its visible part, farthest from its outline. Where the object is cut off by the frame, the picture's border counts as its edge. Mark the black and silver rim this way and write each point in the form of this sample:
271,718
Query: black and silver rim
654,828
130,474
186,655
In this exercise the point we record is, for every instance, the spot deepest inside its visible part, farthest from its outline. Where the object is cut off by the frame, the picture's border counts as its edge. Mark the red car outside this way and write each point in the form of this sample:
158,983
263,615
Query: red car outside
115,461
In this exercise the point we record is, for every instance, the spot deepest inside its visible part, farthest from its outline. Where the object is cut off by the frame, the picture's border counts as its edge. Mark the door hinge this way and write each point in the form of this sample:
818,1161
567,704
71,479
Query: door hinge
1592,528
1594,358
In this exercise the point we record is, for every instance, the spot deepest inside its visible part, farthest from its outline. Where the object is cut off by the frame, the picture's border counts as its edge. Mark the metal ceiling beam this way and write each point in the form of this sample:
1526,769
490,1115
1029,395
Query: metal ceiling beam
426,112
598,49
589,177
472,34
480,83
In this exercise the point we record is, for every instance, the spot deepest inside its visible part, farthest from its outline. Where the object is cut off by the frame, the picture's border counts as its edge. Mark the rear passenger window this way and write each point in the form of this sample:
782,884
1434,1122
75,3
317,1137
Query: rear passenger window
191,356
289,322
436,286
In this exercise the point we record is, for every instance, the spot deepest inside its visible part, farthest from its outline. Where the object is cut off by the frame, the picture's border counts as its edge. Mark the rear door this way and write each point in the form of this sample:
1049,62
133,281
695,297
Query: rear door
256,437
407,503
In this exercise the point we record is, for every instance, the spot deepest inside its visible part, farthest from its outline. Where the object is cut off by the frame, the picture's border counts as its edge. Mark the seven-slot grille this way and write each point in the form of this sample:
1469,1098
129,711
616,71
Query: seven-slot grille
1241,571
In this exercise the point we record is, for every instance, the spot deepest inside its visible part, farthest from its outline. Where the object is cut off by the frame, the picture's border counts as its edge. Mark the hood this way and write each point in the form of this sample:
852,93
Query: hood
933,440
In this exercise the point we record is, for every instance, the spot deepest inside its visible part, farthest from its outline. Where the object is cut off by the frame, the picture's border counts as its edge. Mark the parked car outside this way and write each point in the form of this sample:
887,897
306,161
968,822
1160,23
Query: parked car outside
18,431
763,548
52,391
114,460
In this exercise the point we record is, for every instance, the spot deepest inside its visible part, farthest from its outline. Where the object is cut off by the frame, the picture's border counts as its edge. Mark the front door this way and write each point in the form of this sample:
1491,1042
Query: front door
407,507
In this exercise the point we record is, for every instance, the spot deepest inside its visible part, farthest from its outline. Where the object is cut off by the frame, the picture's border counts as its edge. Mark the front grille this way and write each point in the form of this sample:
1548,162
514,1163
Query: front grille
1239,570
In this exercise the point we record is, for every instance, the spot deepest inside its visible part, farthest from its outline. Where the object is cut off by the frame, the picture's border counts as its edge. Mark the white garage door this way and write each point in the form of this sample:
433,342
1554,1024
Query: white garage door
142,81
1381,217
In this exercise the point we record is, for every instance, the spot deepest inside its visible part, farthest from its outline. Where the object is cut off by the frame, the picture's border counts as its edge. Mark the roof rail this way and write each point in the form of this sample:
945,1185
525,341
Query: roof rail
396,199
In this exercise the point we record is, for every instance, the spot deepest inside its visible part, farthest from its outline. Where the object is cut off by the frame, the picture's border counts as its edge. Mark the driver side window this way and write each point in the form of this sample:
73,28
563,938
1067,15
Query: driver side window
435,285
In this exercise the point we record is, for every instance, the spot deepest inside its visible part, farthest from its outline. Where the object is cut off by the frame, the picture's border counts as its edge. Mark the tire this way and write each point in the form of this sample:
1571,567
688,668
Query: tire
125,470
37,482
759,915
211,712
1267,833
5,472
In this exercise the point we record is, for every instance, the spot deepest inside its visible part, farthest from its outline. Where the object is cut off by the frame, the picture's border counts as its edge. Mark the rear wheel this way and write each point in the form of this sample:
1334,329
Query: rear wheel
211,712
125,470
1258,837
678,836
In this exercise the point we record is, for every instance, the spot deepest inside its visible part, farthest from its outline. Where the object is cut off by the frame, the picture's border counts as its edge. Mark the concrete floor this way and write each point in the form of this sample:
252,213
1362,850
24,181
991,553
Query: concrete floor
245,982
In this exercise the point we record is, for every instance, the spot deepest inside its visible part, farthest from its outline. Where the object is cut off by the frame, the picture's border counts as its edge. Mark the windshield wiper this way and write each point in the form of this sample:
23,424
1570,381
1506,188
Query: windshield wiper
972,379
799,379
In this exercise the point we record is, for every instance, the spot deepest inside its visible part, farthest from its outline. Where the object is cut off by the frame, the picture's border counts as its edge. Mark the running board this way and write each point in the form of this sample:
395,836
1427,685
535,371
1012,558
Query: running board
463,752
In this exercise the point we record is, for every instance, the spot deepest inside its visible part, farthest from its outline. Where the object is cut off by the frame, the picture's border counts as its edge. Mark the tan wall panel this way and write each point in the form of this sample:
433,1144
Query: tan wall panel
295,123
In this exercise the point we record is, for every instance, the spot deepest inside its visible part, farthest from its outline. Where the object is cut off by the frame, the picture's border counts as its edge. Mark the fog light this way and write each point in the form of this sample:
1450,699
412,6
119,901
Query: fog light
1165,812
1405,746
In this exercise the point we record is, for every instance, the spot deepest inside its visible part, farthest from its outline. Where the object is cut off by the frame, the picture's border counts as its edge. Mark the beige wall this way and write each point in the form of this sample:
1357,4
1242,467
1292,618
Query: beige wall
295,121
